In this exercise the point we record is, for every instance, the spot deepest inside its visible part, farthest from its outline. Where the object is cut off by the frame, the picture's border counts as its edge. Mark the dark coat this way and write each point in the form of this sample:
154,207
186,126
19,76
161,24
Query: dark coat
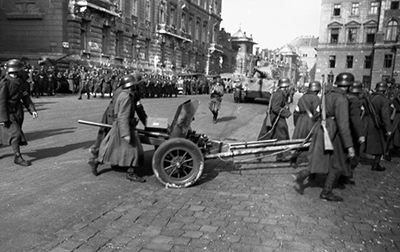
277,111
356,125
396,120
375,142
337,123
302,120
13,96
113,149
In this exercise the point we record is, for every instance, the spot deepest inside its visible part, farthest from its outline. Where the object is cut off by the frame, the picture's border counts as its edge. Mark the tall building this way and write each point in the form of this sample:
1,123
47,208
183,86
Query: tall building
306,49
152,35
243,47
359,37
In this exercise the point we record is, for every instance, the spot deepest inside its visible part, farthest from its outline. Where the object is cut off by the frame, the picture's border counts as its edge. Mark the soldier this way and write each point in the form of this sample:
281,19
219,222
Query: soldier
84,83
331,162
122,145
277,113
377,123
356,127
13,96
394,140
217,92
306,113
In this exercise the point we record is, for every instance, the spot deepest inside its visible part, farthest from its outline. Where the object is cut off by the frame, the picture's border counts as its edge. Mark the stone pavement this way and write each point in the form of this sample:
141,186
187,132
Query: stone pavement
235,208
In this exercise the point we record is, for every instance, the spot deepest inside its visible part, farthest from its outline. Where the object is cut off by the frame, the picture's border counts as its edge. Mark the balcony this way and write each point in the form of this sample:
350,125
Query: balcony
172,31
342,45
215,48
105,6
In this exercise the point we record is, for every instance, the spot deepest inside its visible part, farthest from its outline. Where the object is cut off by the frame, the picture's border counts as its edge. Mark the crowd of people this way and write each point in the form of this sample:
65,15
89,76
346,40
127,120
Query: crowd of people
345,123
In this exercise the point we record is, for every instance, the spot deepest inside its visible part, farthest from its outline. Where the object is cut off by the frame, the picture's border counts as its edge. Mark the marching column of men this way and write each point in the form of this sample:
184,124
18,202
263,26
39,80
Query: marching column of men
354,121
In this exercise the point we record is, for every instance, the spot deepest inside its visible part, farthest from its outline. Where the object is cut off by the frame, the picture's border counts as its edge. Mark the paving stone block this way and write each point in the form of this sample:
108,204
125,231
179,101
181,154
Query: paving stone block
211,229
193,234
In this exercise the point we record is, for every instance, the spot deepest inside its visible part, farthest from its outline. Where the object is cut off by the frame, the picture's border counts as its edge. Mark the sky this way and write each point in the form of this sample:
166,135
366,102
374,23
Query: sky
273,23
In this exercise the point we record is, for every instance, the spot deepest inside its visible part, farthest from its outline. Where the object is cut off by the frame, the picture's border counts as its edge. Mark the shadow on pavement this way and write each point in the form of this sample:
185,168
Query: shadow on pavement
57,151
30,136
226,118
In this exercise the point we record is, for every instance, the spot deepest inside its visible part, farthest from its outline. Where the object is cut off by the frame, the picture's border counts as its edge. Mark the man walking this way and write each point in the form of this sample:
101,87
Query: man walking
13,96
334,162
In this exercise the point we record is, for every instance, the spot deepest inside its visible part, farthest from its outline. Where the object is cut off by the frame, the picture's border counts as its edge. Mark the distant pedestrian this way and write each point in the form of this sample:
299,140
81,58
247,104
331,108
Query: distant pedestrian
13,97
217,91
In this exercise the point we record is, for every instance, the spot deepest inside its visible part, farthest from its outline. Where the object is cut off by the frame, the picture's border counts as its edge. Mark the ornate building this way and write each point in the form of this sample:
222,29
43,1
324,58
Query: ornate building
151,35
360,37
242,45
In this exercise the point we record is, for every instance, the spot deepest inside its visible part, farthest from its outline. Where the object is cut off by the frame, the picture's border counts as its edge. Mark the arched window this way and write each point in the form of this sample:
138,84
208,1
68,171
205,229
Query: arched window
391,31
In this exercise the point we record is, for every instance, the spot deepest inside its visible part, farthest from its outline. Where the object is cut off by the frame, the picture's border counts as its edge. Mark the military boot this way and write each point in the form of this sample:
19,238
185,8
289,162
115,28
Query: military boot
299,180
93,165
132,176
19,160
327,193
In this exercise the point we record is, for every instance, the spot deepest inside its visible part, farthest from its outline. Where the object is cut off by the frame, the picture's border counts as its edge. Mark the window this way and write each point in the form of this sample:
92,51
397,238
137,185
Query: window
387,62
334,36
384,77
305,55
135,8
352,35
197,32
331,77
172,16
349,61
373,9
162,13
391,31
204,32
85,27
190,25
394,5
118,44
147,12
105,39
336,10
367,62
366,80
371,31
183,21
355,9
332,61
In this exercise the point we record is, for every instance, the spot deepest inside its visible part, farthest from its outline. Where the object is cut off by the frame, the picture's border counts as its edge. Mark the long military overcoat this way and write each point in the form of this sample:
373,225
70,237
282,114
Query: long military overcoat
277,111
375,141
303,121
13,98
113,149
337,123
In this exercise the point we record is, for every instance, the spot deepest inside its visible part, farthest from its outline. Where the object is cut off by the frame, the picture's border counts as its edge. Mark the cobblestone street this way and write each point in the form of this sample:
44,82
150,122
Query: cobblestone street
57,205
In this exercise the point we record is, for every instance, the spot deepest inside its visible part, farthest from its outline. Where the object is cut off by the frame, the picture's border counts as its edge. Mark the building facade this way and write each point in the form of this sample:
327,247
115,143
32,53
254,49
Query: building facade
150,35
359,37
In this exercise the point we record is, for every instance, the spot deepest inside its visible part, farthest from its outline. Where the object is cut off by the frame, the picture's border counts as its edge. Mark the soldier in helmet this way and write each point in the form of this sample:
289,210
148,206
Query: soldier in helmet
355,97
377,124
13,96
277,113
122,146
334,162
306,113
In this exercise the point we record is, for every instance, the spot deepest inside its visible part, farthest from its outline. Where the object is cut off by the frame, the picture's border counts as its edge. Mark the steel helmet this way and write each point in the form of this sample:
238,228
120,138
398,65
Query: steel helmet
357,87
14,65
344,79
381,86
314,86
284,82
128,81
390,80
